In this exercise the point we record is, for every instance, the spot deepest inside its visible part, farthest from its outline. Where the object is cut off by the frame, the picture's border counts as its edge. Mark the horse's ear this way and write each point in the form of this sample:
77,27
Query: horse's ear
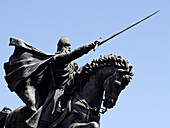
130,68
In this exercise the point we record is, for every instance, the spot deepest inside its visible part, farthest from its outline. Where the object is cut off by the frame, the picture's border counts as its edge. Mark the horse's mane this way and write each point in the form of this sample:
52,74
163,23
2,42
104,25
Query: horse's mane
103,61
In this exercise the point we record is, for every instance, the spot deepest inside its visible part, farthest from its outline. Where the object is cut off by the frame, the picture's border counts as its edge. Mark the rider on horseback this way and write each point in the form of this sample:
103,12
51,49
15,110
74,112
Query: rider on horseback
40,79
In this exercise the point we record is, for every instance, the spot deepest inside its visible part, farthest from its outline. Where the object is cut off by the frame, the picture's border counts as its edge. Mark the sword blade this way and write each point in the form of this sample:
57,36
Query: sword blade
127,28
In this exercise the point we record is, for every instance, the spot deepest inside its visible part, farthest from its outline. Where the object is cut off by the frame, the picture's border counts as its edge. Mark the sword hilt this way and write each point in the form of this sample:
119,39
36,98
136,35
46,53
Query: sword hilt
97,43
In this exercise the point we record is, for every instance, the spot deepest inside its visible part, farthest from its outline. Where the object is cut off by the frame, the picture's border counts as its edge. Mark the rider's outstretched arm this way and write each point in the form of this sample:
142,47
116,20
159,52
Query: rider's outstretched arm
68,57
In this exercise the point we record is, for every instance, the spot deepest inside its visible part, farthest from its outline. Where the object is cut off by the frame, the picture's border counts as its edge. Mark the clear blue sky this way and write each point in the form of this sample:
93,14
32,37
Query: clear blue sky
145,103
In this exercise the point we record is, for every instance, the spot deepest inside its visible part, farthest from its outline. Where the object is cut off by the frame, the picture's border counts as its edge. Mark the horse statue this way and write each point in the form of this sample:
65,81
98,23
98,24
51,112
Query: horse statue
99,82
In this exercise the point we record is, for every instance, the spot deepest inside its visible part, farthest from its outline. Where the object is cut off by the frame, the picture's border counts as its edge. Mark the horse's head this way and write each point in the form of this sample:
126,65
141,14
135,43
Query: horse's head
109,74
113,85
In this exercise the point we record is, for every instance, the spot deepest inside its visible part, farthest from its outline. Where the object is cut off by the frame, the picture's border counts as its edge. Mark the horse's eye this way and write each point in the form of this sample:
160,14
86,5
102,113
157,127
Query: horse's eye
117,83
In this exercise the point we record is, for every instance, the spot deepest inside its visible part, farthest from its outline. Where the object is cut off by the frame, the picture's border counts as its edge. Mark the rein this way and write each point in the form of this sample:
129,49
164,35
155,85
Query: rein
79,97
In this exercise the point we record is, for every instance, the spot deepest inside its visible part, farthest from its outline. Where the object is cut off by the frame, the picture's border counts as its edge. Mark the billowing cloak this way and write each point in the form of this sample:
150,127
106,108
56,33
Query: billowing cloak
30,63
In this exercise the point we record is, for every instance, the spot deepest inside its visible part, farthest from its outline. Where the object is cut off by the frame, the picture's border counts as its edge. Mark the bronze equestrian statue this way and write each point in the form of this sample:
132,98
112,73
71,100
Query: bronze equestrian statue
56,93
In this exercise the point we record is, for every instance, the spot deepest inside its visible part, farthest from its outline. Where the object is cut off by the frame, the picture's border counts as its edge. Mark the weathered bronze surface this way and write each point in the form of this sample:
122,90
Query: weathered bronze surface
56,93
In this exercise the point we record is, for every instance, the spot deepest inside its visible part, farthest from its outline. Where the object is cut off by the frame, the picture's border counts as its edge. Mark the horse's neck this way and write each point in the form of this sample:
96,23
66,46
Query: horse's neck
93,89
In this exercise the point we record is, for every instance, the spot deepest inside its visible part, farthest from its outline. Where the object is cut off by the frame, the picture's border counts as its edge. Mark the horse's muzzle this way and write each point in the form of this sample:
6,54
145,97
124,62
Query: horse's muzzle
109,103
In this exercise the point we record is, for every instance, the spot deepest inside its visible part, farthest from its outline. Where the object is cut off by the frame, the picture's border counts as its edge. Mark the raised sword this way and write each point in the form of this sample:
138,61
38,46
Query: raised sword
98,42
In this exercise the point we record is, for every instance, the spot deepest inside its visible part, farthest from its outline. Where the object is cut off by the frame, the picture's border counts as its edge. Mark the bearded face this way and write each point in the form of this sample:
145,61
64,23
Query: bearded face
64,45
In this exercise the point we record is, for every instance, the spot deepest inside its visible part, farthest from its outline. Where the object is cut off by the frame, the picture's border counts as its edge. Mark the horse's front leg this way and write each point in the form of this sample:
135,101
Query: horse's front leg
85,125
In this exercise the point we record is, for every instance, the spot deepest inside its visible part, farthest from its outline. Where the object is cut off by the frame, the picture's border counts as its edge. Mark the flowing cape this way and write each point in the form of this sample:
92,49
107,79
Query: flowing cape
26,63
